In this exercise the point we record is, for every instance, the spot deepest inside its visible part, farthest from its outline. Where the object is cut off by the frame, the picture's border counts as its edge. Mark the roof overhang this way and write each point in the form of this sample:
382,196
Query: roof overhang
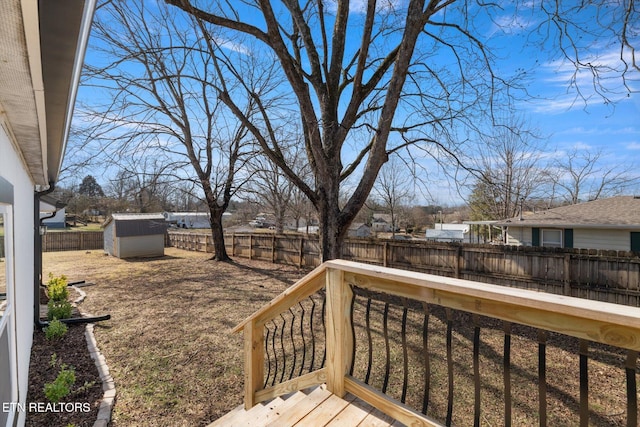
569,225
41,54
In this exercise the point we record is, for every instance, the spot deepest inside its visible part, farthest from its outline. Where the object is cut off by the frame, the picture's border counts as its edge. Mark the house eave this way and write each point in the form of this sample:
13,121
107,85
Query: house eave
42,51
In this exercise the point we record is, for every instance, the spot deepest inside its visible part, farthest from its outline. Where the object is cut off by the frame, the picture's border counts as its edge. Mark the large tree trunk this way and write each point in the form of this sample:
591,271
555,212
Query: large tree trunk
217,233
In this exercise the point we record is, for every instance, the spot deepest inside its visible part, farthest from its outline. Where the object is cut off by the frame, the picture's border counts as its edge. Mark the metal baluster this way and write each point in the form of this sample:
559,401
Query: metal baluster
542,377
385,330
632,390
425,352
353,333
506,365
304,342
476,370
284,353
584,383
368,323
449,367
405,356
293,343
266,351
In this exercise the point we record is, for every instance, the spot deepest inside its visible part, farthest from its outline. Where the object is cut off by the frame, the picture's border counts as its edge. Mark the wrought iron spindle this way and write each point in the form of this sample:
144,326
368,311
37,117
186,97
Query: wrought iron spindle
449,366
476,370
506,366
632,393
385,329
405,356
584,383
427,363
542,377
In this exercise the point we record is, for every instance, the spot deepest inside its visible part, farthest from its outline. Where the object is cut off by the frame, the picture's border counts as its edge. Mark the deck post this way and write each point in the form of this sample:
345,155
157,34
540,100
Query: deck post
339,337
253,362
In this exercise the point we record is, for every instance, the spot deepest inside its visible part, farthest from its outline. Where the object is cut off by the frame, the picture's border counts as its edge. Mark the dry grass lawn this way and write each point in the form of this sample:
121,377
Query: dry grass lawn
168,343
175,362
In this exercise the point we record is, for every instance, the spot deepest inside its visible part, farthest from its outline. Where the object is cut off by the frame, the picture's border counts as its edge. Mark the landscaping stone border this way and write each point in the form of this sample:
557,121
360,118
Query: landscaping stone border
108,385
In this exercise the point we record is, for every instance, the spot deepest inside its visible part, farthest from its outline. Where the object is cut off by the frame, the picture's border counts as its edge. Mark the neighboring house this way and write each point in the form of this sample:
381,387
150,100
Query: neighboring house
359,229
53,212
449,233
612,224
41,52
381,223
129,235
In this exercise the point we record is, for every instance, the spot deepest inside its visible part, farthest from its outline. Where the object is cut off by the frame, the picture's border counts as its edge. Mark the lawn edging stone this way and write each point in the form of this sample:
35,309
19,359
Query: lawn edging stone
108,385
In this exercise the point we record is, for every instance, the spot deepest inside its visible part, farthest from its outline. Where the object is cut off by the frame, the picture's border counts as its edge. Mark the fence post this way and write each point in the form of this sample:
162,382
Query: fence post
301,252
385,250
458,261
233,244
339,344
273,248
250,246
567,275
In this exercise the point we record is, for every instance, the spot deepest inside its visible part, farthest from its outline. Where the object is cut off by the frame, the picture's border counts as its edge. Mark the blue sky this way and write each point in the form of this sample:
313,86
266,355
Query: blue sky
565,120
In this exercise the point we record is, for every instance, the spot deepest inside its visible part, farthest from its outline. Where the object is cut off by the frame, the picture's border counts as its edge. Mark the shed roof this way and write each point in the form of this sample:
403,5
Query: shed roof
615,212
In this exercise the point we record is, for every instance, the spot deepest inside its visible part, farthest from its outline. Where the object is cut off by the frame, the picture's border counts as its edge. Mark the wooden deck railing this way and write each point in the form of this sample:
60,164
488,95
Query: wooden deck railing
429,350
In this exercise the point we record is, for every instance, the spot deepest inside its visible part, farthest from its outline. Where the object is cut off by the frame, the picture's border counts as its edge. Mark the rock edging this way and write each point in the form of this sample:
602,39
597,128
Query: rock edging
108,385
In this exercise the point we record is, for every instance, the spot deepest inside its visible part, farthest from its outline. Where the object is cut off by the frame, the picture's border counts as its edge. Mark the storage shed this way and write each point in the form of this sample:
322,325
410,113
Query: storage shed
128,235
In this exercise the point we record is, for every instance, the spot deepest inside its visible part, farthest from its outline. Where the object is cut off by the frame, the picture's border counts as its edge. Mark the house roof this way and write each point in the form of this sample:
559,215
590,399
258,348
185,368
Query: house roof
51,204
42,46
615,212
133,217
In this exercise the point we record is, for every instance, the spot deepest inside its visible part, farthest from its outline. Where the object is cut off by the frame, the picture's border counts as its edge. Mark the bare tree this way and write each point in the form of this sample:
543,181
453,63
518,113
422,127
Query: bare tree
580,175
511,170
271,188
160,101
350,66
394,188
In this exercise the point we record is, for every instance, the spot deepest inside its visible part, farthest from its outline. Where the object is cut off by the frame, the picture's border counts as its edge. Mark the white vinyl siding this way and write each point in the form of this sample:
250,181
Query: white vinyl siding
583,238
13,170
608,239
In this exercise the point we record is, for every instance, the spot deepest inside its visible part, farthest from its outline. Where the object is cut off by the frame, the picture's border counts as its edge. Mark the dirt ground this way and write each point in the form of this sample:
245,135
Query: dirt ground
168,343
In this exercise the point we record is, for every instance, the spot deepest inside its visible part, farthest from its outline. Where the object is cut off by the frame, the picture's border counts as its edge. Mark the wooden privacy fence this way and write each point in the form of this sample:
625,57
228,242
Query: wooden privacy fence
72,241
611,276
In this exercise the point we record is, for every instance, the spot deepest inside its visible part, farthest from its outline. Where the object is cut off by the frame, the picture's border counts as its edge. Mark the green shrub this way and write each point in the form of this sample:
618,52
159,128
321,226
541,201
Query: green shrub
55,330
61,386
57,288
59,309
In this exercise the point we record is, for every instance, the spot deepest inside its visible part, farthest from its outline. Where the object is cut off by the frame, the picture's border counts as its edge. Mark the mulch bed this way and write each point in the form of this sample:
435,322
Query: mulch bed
80,408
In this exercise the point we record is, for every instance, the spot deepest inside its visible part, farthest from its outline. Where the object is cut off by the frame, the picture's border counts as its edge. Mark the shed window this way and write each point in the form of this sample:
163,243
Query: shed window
551,238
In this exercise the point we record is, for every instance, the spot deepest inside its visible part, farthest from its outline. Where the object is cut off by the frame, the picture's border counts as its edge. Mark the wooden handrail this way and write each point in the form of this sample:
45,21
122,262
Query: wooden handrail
601,322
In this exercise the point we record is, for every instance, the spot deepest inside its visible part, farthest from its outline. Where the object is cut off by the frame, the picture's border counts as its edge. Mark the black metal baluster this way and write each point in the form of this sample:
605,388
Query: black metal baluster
266,351
275,355
632,390
370,343
304,341
449,366
405,356
353,333
506,365
313,335
476,370
542,377
284,353
425,352
293,343
324,328
584,383
385,330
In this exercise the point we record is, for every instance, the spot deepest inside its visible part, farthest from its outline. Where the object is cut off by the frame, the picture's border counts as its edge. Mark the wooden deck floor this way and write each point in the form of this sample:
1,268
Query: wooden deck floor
310,408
